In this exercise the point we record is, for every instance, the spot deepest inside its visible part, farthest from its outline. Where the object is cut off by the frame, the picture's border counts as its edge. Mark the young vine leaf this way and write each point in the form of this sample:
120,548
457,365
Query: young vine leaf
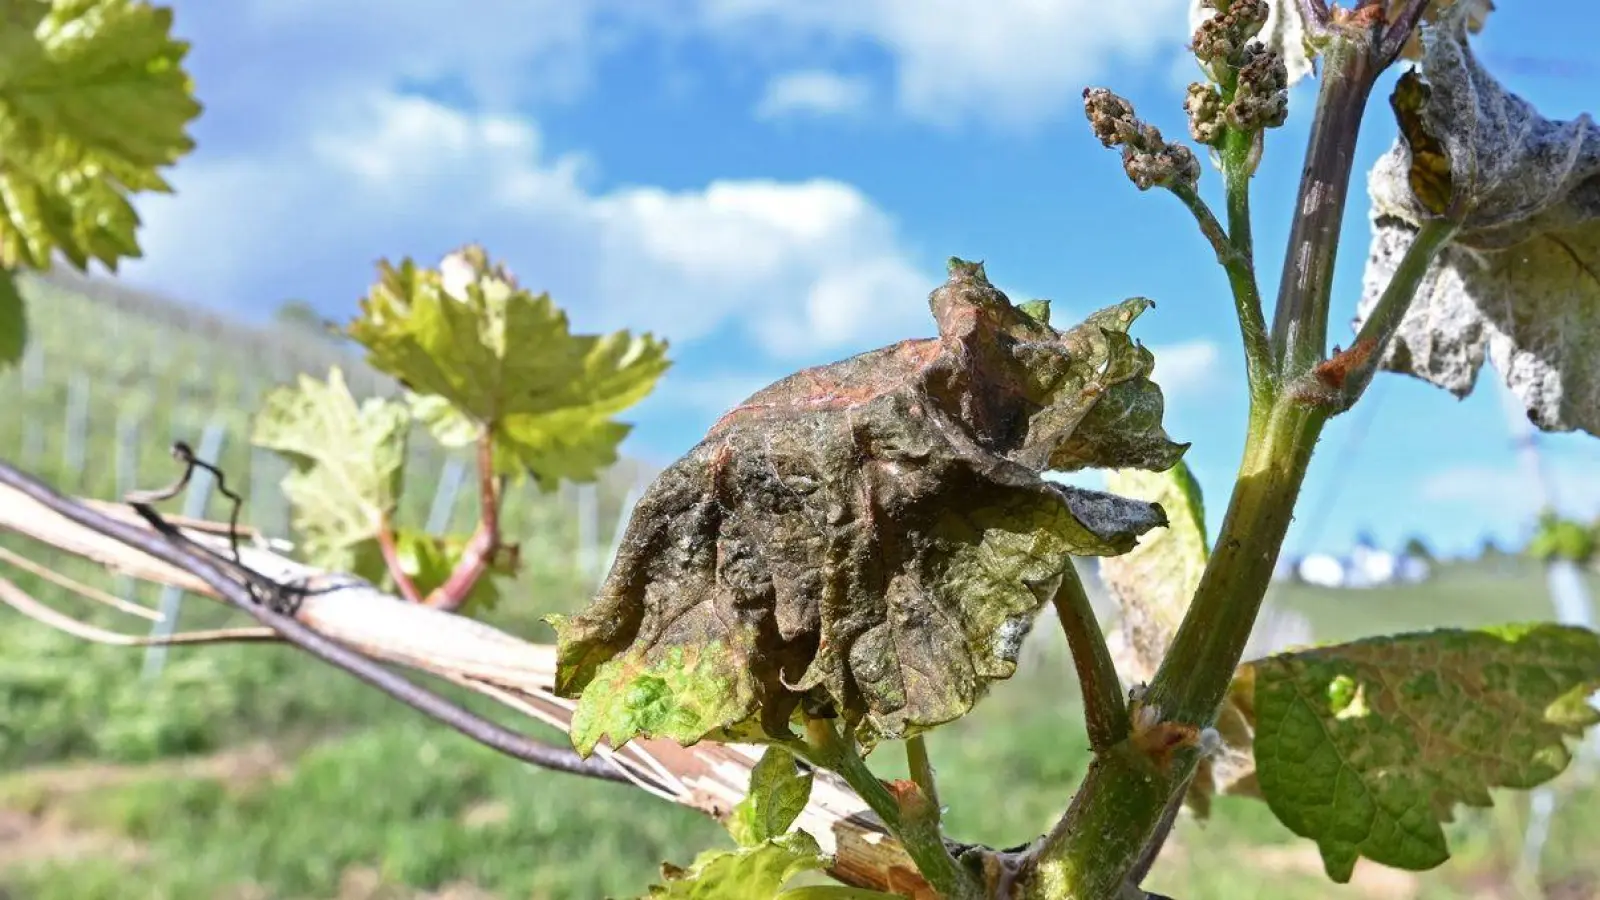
1366,747
479,352
348,462
778,792
429,560
1518,285
757,871
93,102
13,321
872,538
1560,538
1152,585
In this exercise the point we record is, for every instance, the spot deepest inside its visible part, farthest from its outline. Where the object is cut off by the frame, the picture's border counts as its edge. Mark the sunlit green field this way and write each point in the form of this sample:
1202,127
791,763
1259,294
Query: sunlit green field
251,772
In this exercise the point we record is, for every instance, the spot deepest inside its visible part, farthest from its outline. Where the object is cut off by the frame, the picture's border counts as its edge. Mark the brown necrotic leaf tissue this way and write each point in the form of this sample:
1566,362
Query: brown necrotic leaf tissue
870,539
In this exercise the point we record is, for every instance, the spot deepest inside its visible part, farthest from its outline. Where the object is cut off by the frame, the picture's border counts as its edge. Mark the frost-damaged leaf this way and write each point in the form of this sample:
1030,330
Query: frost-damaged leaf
93,102
1520,284
1153,584
480,351
870,538
1366,747
13,321
743,874
778,792
429,560
348,463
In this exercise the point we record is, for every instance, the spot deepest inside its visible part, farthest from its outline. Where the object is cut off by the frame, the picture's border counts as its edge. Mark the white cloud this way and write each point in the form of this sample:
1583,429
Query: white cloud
1007,61
712,394
1188,368
799,268
816,92
1011,61
1506,493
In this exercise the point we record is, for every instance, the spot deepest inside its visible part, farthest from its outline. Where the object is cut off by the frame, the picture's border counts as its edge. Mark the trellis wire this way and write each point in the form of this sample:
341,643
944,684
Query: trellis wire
75,440
201,484
444,496
127,479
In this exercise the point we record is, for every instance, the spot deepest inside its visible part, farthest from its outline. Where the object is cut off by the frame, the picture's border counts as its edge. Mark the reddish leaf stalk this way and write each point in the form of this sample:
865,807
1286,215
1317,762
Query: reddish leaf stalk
485,543
391,559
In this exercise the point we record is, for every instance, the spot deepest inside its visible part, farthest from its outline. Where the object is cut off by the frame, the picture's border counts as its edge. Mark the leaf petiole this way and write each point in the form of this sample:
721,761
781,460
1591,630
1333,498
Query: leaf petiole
911,817
922,769
1380,327
1233,247
1105,711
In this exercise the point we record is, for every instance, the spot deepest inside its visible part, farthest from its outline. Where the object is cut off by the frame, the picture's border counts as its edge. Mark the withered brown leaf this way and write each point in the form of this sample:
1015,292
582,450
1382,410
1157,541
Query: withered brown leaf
869,539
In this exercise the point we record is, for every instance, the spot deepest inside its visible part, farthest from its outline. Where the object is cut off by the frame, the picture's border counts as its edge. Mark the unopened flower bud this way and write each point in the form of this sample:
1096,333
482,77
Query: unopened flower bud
1261,99
1110,116
1220,40
1171,165
1204,105
1147,157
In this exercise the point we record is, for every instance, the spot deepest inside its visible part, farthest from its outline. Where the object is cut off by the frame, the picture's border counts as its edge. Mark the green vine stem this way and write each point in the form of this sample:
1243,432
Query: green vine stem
1117,811
1300,323
1233,252
1105,711
1237,170
911,817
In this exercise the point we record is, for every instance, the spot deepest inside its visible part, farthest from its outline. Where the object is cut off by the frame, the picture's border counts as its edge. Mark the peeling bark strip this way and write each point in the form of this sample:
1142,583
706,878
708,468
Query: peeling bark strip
870,539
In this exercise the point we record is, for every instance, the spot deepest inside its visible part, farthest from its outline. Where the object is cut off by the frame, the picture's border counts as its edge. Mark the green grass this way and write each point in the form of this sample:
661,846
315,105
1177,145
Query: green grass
370,788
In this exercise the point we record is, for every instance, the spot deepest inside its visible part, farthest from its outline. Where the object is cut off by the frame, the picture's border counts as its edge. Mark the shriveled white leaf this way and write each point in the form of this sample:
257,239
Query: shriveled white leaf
1520,285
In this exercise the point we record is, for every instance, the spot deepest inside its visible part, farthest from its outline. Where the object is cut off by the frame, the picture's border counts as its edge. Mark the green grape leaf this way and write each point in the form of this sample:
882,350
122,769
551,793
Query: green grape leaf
428,560
480,352
348,463
1367,747
871,538
742,874
778,792
1517,285
1558,538
13,321
93,102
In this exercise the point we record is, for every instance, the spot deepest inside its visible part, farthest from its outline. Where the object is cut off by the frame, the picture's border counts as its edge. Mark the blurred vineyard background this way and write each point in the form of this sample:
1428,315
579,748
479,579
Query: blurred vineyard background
254,772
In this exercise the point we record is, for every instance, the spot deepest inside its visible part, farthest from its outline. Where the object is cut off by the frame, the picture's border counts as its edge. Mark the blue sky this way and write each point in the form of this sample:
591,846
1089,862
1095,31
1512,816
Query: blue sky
772,184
